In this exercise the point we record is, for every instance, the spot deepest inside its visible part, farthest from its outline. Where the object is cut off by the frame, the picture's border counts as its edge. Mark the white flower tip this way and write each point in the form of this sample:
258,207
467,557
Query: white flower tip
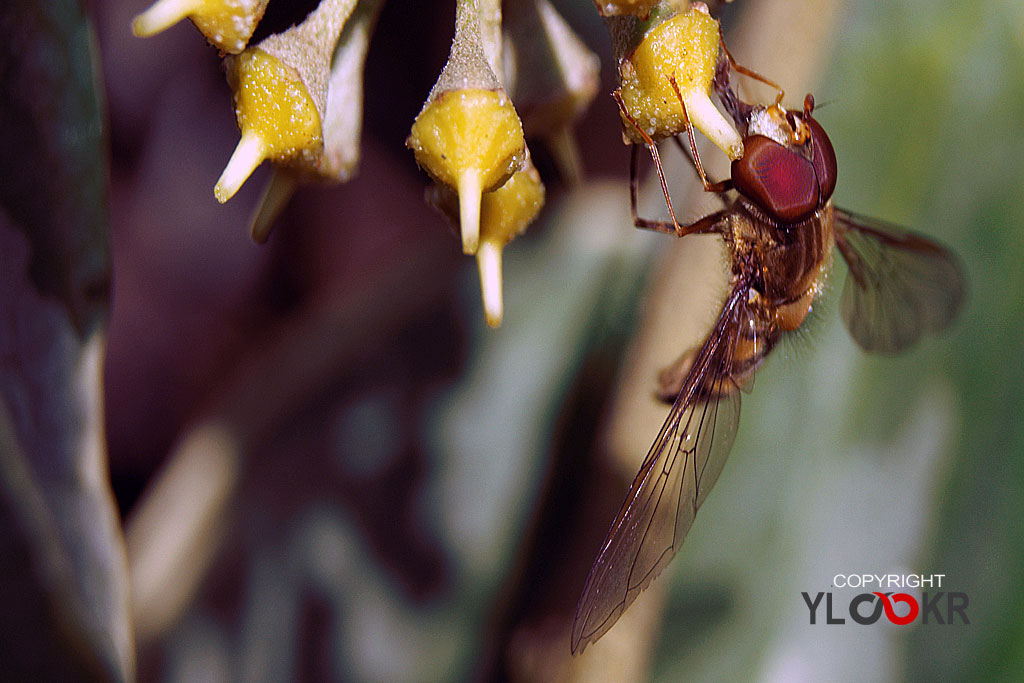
162,15
469,190
704,115
488,260
247,156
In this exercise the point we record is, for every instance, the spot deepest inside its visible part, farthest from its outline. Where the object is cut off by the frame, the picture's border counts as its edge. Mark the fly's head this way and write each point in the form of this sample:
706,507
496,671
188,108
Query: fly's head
788,169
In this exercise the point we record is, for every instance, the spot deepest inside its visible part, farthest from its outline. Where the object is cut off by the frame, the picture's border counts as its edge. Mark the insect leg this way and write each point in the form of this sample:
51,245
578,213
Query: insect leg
750,73
653,147
721,187
695,158
712,223
707,224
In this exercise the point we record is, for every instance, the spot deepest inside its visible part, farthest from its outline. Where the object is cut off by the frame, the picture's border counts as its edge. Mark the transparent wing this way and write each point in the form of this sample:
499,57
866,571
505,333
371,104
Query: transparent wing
900,286
674,480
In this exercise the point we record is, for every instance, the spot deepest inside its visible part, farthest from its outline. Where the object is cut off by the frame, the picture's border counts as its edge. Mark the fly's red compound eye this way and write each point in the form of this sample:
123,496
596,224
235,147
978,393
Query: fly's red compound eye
778,180
824,159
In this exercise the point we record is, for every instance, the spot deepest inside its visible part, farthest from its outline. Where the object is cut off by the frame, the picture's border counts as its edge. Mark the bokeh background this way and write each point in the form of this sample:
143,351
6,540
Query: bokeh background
349,477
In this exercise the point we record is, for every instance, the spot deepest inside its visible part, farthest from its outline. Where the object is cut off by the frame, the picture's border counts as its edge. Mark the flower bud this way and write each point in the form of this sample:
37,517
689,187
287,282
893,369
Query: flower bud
468,135
682,49
276,114
227,24
280,91
342,122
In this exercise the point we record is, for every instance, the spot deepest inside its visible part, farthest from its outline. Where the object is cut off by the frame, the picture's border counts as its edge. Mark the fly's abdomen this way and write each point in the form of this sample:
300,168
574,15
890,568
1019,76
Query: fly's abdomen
750,339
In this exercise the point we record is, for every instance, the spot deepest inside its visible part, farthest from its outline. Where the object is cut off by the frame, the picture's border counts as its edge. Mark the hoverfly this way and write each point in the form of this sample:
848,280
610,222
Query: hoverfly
779,228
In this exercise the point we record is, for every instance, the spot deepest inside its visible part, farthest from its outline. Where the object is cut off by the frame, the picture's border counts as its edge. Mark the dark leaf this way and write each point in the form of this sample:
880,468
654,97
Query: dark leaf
64,588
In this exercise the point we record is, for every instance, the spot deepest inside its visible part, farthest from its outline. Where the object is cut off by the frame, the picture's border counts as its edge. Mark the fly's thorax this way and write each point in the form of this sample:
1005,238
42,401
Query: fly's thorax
743,231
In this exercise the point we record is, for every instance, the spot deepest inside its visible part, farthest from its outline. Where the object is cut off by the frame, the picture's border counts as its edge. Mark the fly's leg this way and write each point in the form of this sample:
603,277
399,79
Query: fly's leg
653,147
750,73
720,187
708,224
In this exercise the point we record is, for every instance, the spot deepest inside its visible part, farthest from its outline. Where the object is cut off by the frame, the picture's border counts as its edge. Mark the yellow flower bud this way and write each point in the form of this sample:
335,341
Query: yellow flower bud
227,24
470,140
276,115
468,135
504,215
280,91
342,122
683,50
